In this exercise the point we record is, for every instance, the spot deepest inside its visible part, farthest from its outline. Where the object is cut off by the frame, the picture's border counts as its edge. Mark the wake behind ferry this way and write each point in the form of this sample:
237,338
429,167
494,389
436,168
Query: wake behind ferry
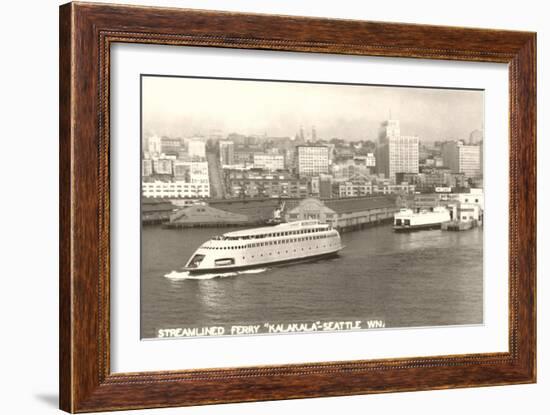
283,243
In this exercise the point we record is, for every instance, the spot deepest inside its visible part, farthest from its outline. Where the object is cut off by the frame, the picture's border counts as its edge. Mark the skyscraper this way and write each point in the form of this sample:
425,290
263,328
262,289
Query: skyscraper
227,152
461,158
312,160
396,153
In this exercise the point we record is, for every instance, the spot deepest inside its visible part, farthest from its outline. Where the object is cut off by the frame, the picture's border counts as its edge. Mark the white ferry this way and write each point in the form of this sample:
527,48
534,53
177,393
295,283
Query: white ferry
408,220
283,243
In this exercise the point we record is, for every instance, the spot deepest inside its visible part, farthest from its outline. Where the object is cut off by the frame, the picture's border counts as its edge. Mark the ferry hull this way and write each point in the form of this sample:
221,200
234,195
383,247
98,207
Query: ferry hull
412,228
221,270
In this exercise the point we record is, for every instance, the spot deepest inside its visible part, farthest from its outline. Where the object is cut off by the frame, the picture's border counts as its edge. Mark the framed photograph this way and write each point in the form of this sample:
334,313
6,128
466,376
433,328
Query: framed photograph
258,207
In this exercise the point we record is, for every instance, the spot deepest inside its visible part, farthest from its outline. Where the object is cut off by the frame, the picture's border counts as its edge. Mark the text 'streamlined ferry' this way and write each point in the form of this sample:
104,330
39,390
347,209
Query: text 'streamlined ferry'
287,242
407,220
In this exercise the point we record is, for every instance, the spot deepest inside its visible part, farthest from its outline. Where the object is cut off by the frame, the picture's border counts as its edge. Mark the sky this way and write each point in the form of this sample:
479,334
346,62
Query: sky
182,107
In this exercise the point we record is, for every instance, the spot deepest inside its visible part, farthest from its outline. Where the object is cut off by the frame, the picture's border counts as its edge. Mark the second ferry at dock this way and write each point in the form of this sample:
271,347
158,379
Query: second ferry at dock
408,220
250,248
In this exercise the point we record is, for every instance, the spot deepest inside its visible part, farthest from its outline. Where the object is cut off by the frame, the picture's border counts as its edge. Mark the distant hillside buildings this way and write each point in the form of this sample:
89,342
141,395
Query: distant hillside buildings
174,168
256,166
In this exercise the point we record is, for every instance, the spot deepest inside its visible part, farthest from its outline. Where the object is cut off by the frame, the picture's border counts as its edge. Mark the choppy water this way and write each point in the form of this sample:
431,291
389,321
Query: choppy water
425,278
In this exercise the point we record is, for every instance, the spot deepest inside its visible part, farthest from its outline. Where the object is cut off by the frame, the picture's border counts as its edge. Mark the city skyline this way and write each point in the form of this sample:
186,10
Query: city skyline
181,107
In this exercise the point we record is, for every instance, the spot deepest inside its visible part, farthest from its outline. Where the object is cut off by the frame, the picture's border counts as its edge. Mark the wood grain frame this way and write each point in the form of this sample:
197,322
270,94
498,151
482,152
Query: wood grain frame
86,33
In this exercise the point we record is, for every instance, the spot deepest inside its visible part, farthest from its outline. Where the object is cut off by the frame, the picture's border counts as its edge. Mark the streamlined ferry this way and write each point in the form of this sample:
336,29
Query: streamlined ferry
408,220
283,243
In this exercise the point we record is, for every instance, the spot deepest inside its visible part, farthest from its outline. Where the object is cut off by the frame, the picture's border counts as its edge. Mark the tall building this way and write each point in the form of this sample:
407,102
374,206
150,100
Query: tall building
196,148
391,128
146,167
461,158
182,171
227,152
269,161
199,172
396,153
325,186
312,160
476,137
191,171
154,145
170,146
162,166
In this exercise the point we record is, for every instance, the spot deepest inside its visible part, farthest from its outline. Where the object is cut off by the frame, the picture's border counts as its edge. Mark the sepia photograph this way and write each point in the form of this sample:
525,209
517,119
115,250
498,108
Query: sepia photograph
286,207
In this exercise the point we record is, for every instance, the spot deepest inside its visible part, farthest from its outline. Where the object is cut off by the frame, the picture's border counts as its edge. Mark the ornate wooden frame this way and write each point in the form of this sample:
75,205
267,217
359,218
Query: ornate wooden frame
86,33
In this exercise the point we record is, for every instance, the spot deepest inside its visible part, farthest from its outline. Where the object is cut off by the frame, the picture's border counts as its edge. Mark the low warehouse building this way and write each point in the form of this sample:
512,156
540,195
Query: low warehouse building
345,214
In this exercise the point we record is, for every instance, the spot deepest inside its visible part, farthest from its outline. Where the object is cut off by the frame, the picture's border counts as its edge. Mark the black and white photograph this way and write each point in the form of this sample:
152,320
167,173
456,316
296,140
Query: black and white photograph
276,207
